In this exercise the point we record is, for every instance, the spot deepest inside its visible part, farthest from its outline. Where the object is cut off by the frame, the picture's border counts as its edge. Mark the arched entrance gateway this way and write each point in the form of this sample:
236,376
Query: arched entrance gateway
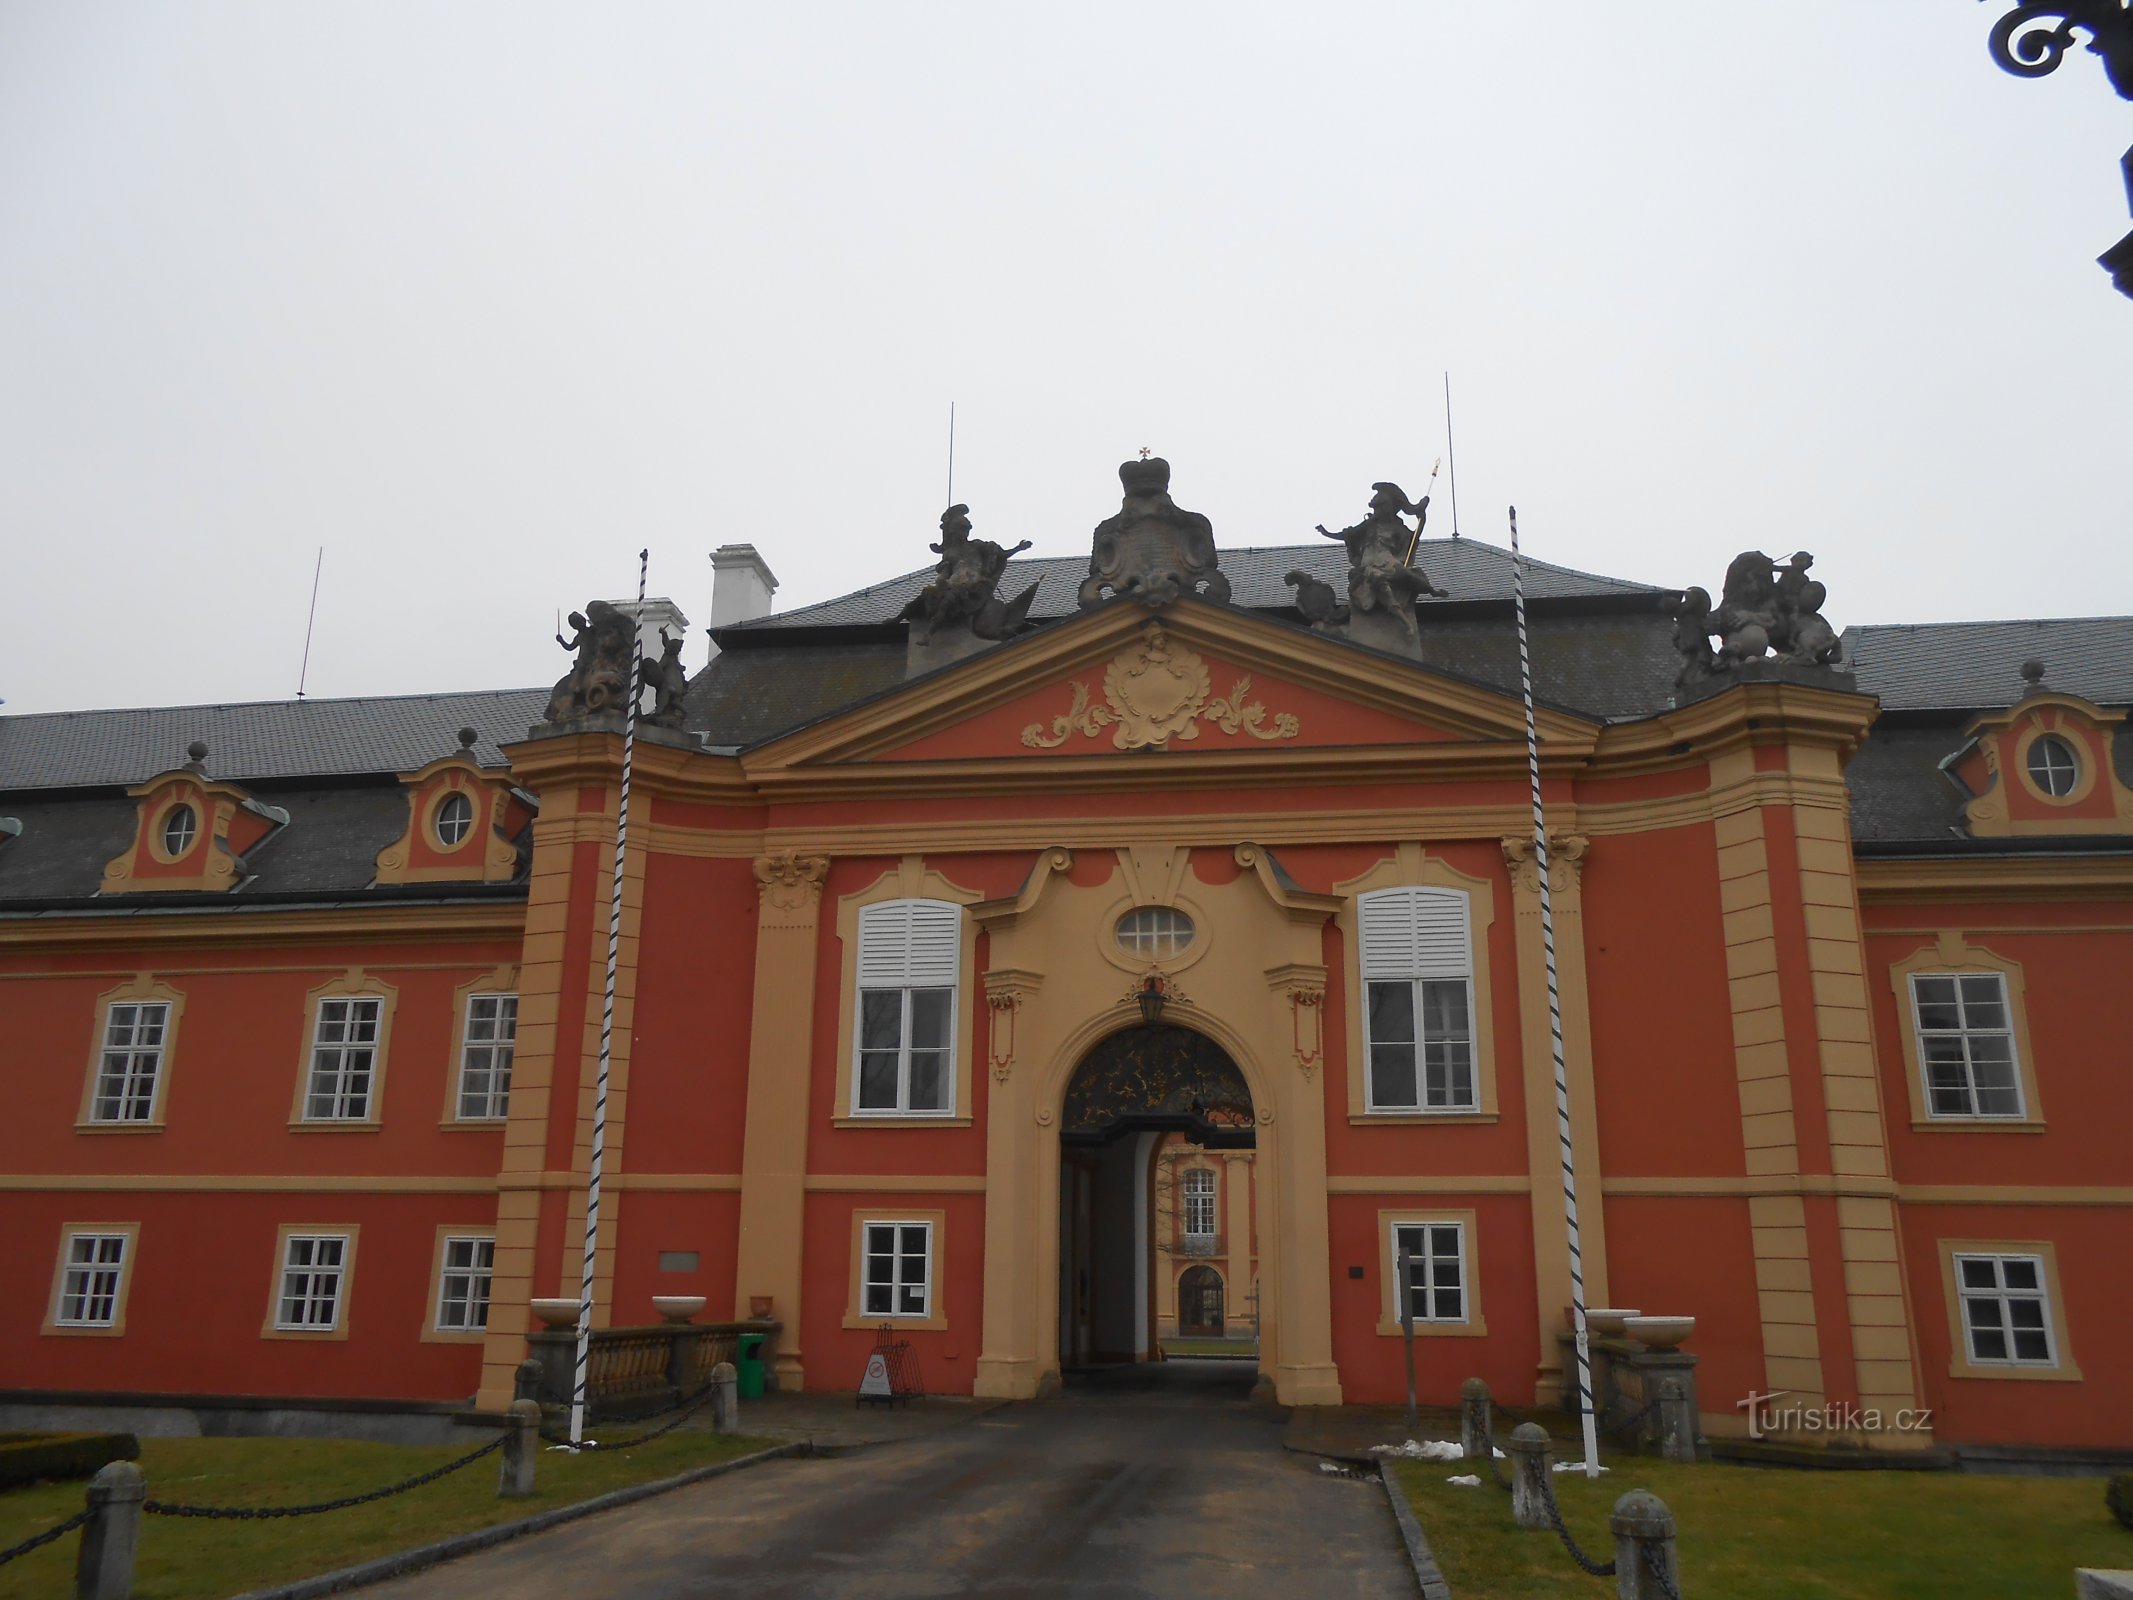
1134,1088
1085,1087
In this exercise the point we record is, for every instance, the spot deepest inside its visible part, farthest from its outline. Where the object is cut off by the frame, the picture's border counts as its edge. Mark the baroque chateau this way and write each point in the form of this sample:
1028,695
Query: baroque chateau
1045,958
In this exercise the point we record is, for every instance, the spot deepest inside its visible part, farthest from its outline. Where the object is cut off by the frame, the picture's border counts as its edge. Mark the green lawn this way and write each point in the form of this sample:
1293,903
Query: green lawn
1210,1347
182,1558
1762,1534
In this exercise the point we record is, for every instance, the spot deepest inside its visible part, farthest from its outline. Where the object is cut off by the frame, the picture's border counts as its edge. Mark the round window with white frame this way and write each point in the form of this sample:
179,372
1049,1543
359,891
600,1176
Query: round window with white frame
181,825
455,819
2053,766
1155,933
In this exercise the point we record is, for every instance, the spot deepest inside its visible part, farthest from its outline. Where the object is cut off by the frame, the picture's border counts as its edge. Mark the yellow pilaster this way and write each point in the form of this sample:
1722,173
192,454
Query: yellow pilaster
780,1055
1551,1231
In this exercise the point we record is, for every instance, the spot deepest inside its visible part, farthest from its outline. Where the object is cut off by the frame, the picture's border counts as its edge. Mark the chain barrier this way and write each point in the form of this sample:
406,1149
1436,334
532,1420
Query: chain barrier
1489,1451
1599,1569
161,1508
689,1408
1622,1425
1655,1571
37,1541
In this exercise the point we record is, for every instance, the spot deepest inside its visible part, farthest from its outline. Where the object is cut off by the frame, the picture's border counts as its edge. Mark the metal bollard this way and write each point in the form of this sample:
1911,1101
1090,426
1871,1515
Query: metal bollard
1474,1419
103,1567
522,1448
1528,1449
725,1399
1644,1548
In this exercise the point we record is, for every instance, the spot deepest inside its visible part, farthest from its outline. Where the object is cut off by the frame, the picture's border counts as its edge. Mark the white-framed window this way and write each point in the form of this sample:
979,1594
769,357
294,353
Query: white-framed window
1436,1286
1154,933
485,1056
904,1044
1417,963
2007,1313
313,1268
1966,1044
463,1282
1198,1192
181,825
344,1058
896,1272
455,819
92,1281
2053,766
134,1031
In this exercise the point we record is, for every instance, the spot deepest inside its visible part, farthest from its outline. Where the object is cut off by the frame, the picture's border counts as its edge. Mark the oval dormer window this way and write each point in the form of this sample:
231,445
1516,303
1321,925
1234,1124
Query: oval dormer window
455,819
181,825
1154,933
2053,766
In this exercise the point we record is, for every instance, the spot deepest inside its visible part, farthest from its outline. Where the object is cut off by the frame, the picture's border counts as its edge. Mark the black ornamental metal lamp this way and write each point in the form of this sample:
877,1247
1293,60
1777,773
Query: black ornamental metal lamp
2032,39
1152,997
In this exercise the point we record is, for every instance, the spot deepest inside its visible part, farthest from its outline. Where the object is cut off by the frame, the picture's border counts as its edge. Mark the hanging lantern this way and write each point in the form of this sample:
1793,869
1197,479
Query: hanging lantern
1152,999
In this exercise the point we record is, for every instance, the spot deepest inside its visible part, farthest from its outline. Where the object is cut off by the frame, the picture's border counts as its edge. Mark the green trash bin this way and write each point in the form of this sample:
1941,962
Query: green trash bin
748,1370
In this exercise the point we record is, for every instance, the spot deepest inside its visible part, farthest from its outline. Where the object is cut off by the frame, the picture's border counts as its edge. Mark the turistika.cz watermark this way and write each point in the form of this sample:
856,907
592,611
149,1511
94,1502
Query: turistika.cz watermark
1769,1414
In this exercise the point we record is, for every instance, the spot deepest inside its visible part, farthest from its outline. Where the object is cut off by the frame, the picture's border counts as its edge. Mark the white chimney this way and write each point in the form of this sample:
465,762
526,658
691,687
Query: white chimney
741,586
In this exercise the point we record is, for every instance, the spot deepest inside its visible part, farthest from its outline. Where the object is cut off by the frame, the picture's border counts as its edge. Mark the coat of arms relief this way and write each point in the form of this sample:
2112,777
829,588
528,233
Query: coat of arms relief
1156,690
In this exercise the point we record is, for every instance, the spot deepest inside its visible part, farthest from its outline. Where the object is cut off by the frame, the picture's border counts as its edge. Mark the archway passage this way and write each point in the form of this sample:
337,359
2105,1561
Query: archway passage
1135,1093
1200,1303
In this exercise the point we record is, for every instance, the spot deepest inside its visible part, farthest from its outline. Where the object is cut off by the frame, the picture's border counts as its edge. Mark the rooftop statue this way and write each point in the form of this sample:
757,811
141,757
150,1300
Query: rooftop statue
1382,587
669,680
1153,549
961,593
1769,614
605,642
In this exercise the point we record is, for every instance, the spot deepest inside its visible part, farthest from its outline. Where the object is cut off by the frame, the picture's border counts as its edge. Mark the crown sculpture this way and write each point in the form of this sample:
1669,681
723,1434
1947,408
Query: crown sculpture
1153,549
1768,624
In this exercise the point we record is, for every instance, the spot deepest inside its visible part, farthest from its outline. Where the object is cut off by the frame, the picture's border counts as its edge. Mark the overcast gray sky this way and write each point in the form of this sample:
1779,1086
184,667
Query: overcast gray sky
481,298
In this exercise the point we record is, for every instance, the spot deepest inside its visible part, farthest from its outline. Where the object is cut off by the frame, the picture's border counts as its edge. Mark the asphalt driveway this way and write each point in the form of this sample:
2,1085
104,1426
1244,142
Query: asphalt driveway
1138,1483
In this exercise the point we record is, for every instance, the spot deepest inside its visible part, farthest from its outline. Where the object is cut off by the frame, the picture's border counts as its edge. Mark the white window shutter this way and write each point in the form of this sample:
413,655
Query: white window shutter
1415,933
911,944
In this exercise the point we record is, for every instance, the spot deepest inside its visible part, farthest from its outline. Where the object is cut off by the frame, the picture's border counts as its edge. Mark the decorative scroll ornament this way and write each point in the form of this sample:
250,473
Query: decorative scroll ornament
2032,39
1311,1001
1566,856
1156,691
1005,992
789,881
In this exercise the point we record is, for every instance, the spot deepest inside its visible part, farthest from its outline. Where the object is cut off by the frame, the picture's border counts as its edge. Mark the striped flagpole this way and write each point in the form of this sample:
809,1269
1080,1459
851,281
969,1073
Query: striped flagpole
1555,1016
607,1010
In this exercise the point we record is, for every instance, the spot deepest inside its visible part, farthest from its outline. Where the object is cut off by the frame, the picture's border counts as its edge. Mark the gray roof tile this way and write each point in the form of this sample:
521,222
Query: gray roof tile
1977,666
1469,568
263,739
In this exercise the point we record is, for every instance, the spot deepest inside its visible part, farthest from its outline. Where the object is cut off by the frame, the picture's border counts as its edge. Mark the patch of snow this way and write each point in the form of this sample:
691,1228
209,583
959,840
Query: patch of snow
1572,1466
1466,1480
1422,1450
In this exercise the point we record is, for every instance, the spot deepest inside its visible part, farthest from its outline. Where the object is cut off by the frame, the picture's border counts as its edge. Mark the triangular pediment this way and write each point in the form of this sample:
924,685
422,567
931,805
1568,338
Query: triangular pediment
1190,680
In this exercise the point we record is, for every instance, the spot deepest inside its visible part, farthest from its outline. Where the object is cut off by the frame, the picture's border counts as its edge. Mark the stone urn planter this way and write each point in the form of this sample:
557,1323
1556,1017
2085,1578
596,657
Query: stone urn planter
677,1307
1606,1322
1659,1333
556,1313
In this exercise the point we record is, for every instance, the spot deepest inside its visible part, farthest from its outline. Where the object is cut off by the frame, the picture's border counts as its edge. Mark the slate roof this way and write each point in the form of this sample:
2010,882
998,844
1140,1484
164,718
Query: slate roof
330,845
262,739
1470,568
1977,666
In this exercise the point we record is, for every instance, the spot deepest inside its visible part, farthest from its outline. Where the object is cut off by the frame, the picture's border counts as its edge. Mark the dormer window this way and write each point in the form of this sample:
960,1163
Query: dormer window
2053,766
181,825
455,820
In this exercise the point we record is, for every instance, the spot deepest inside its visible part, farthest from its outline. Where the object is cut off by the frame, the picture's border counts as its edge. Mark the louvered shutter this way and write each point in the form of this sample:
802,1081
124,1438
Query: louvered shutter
909,944
1415,933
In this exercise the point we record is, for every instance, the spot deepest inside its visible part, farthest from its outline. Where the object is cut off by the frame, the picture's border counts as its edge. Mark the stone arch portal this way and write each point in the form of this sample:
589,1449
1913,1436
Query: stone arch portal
1131,1089
1160,1078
